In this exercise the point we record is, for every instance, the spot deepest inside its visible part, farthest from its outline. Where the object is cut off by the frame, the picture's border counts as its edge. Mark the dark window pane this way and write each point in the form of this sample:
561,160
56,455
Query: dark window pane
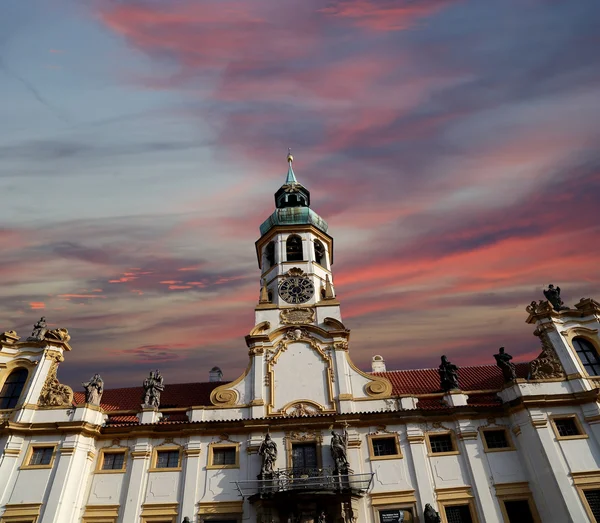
458,514
167,459
384,446
566,427
41,456
518,511
588,355
593,499
12,388
113,461
304,458
319,252
224,456
441,443
495,439
294,248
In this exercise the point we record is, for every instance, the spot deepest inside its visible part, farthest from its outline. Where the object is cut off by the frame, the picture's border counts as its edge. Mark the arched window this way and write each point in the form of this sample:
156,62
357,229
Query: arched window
294,248
319,253
270,254
13,386
588,355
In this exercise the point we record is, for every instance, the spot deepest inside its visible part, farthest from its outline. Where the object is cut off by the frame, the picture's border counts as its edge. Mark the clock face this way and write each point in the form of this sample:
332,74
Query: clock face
296,289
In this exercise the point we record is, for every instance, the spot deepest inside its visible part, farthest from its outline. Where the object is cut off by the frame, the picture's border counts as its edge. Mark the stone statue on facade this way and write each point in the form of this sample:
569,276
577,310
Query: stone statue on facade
153,386
186,520
430,515
93,390
268,451
448,375
552,294
509,371
339,451
322,517
39,330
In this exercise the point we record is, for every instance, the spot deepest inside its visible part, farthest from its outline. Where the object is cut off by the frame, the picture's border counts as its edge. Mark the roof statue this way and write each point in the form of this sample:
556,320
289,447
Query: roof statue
509,371
430,515
448,375
552,294
93,390
39,330
153,386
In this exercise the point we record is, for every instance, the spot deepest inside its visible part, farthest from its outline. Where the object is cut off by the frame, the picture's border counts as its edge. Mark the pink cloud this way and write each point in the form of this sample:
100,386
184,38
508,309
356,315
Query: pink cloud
35,305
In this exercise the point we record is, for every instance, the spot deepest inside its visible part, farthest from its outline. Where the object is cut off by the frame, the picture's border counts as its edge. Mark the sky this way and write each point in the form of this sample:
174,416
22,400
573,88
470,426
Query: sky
451,145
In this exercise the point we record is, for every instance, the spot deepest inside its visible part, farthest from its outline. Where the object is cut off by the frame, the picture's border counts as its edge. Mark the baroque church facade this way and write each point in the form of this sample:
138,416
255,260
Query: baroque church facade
303,435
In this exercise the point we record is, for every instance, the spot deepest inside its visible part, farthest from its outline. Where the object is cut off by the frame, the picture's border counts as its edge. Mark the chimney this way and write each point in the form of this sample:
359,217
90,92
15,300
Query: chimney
378,364
215,374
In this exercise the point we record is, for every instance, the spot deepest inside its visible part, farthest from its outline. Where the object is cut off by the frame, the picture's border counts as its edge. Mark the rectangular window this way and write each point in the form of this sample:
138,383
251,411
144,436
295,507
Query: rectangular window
224,456
113,461
41,456
566,427
441,443
518,511
167,459
384,446
593,499
304,458
496,439
458,514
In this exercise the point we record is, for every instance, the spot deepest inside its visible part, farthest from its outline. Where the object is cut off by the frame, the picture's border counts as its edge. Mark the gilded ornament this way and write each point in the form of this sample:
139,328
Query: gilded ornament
297,316
224,398
547,365
54,393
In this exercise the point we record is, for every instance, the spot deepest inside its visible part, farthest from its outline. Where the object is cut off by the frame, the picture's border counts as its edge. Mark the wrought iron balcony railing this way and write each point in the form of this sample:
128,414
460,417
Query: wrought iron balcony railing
294,479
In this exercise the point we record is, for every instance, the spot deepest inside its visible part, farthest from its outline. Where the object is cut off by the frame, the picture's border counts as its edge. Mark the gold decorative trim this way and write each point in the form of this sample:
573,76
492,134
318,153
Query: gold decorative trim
416,439
297,316
582,434
384,435
300,436
233,445
547,364
539,423
168,447
33,446
453,496
586,480
377,387
467,435
101,514
452,435
453,493
221,507
518,491
111,450
483,430
396,496
224,396
160,512
12,452
20,512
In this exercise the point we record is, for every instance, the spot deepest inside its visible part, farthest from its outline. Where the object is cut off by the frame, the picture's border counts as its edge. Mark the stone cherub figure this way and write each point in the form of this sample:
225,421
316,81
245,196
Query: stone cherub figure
153,386
430,515
39,330
448,375
93,390
509,371
268,451
552,294
339,451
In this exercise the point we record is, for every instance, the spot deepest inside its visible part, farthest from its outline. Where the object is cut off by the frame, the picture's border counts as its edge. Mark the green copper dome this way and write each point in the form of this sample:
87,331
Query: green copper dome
292,201
293,216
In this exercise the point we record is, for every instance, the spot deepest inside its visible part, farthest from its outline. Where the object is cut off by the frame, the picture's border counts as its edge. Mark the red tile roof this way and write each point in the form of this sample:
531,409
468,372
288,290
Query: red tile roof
427,381
174,395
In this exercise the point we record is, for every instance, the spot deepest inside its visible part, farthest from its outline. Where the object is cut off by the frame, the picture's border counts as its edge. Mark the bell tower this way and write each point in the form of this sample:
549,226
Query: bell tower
295,255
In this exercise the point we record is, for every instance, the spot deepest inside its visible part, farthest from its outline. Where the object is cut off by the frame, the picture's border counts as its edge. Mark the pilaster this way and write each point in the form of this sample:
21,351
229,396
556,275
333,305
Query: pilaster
421,467
8,465
479,472
191,477
137,479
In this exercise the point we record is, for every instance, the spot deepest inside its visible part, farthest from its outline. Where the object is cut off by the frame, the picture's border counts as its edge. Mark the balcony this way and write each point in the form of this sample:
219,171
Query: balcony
305,481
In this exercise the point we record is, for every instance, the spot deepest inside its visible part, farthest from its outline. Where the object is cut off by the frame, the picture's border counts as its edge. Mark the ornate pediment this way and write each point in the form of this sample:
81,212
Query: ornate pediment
295,271
297,316
547,365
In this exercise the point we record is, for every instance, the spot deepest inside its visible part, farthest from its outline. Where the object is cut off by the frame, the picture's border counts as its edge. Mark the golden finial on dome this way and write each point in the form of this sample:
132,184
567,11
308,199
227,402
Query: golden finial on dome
290,158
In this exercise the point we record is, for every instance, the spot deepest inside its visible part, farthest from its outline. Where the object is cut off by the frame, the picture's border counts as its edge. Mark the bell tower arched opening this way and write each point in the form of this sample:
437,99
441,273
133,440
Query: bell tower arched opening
293,248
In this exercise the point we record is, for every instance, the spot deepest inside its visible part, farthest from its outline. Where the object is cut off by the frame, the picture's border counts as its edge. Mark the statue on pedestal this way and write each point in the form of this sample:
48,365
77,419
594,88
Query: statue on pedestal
268,451
39,330
552,294
339,451
153,386
509,371
93,390
448,375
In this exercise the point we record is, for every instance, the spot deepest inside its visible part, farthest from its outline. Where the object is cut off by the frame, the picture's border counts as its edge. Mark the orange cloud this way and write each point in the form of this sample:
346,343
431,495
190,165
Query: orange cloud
34,305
